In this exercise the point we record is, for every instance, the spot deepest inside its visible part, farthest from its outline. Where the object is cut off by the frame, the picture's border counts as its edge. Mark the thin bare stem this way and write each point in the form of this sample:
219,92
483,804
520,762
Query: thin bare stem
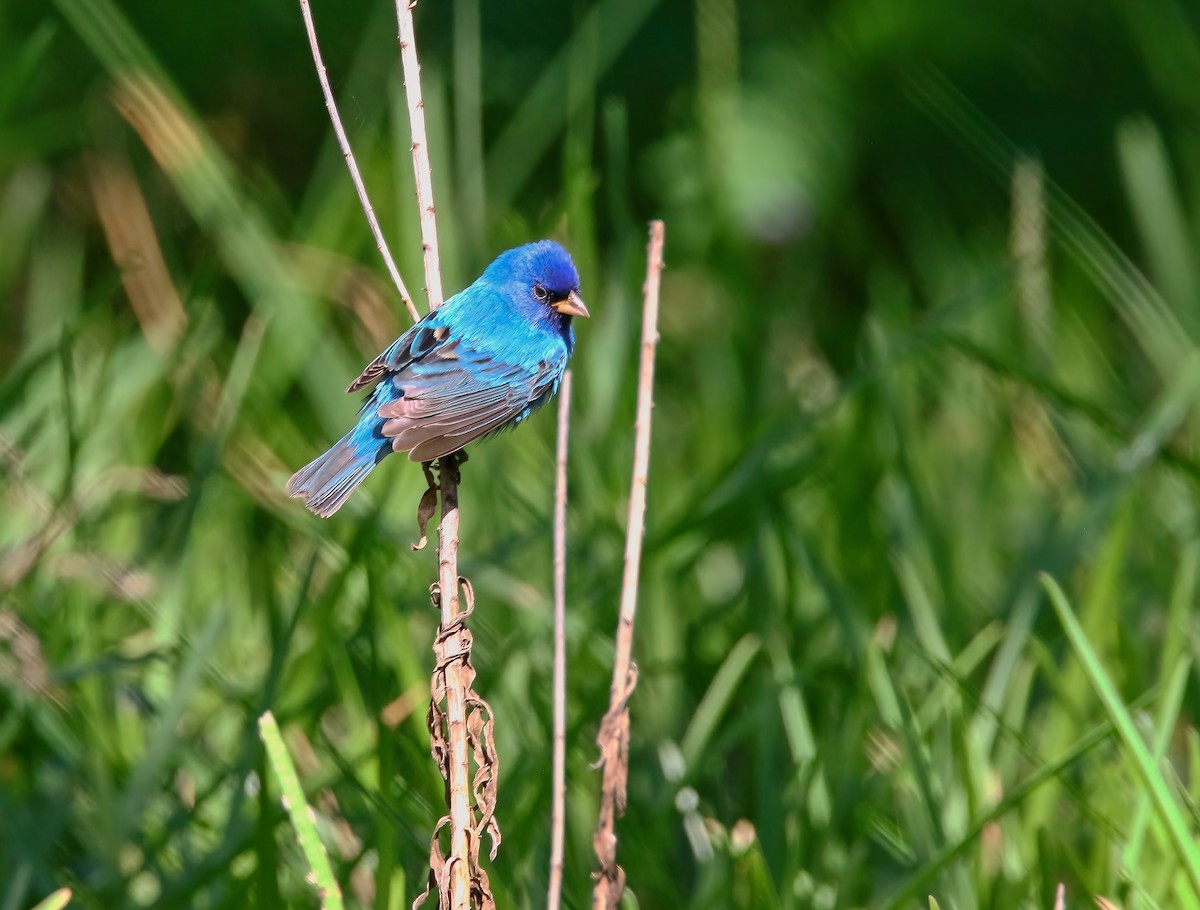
613,738
344,143
558,810
420,151
641,456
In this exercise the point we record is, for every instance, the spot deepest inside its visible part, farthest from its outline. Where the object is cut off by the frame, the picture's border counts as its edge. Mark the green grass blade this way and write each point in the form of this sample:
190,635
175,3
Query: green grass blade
716,700
1143,761
1158,213
910,888
301,813
1165,728
55,901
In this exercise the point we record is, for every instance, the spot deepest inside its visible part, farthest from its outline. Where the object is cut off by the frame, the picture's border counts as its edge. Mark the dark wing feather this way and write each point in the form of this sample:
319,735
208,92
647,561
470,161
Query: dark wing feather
409,347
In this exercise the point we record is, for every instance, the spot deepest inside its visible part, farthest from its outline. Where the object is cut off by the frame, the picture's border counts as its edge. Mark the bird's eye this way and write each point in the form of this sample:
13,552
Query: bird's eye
541,293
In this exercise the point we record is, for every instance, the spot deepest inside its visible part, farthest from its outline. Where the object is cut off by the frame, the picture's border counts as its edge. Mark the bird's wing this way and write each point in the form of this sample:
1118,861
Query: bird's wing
412,345
451,395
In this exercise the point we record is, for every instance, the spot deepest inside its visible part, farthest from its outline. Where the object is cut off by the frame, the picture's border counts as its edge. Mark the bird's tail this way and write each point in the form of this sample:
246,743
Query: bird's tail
327,481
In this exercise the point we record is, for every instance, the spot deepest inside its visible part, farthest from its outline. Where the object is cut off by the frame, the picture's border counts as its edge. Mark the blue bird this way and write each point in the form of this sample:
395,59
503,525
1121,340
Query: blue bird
481,362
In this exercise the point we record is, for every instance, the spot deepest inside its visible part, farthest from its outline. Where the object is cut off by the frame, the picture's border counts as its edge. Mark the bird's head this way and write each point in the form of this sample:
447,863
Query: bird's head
541,276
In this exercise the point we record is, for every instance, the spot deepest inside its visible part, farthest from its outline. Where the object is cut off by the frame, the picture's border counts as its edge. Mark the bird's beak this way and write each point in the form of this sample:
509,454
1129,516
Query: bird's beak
571,305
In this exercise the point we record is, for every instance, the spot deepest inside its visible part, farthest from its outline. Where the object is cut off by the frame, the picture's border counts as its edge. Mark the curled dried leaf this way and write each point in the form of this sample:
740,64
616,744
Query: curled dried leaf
438,745
452,654
468,597
481,736
613,740
610,885
426,508
494,836
438,868
481,891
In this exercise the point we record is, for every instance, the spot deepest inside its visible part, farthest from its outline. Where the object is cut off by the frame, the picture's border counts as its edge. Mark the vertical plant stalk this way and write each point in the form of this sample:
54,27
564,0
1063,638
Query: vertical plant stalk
451,652
559,796
420,150
131,238
1028,244
464,731
355,176
613,738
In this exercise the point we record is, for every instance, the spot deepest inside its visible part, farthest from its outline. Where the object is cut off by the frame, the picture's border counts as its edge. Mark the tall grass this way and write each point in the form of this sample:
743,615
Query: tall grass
854,691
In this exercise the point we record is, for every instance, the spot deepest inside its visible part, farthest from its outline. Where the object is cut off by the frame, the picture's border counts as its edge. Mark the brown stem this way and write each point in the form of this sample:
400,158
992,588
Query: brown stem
558,809
420,150
467,722
466,725
455,647
344,143
613,738
464,731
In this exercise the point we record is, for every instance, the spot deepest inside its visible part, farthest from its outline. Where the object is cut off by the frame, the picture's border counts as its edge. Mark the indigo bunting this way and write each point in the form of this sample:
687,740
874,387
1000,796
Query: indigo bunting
481,362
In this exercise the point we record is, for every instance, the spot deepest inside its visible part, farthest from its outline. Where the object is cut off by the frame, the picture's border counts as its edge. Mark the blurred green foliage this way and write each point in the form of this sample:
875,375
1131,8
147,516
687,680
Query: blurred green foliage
929,328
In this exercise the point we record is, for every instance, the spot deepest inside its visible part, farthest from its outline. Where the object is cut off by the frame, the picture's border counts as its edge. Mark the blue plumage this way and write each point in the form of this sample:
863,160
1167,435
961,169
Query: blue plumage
484,360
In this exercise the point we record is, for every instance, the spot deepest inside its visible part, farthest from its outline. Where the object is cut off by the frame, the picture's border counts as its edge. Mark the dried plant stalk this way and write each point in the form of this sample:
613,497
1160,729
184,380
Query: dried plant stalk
344,144
465,729
1028,242
613,738
559,797
133,242
462,730
452,641
420,150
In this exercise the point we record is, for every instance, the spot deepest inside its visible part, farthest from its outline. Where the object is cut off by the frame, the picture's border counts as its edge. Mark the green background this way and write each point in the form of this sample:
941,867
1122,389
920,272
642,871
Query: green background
929,327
